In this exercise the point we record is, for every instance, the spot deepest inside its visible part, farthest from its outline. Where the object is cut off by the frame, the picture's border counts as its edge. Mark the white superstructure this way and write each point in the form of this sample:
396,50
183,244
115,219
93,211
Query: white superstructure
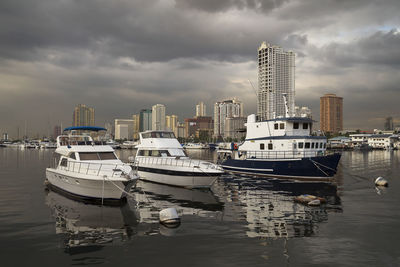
160,158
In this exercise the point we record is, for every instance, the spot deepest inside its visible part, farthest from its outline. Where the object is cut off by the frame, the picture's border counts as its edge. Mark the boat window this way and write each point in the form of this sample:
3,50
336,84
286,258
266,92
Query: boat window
282,126
107,155
64,162
72,155
270,146
154,153
146,135
262,146
324,145
296,125
146,152
321,145
276,126
301,145
312,145
176,152
164,153
307,145
88,156
305,125
294,146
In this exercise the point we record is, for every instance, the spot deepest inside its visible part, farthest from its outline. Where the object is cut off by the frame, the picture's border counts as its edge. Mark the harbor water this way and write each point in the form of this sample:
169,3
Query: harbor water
242,221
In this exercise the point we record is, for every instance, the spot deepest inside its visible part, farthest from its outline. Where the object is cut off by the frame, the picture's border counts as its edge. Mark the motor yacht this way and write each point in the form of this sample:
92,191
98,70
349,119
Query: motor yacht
283,148
195,146
161,158
89,169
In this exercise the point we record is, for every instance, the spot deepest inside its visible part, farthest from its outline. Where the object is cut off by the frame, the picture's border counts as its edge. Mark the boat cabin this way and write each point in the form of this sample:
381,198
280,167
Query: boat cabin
159,144
289,136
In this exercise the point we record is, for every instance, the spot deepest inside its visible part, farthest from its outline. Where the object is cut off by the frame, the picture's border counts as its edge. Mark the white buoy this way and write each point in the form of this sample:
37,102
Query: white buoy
380,181
169,217
315,202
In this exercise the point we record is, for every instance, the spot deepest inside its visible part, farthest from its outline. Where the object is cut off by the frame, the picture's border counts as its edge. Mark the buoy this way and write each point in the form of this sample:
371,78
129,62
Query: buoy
380,181
307,199
169,217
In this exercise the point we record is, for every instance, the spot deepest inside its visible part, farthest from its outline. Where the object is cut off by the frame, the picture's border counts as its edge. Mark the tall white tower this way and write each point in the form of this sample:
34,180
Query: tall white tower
276,70
158,117
200,110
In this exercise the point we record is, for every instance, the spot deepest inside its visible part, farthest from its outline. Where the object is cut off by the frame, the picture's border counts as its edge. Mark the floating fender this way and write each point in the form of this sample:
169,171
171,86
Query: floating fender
170,218
380,181
307,199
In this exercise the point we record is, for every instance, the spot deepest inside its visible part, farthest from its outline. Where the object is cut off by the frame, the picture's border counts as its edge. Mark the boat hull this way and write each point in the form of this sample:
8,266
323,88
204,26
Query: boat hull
312,168
89,188
185,179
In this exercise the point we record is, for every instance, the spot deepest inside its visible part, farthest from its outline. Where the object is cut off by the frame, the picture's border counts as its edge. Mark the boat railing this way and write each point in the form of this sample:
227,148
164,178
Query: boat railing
190,163
94,168
282,154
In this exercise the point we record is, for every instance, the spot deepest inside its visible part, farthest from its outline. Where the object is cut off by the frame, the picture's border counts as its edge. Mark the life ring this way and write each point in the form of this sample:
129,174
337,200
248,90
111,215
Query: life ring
235,146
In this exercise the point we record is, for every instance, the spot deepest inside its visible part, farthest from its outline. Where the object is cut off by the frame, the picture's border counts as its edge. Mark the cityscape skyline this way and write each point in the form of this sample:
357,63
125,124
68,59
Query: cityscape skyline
346,48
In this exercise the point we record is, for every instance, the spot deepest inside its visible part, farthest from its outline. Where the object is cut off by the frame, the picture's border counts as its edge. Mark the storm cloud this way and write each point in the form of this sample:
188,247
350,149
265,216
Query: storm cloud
122,56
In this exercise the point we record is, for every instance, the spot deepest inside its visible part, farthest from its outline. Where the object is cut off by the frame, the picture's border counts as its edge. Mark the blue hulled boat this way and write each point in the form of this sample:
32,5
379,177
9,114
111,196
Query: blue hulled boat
282,148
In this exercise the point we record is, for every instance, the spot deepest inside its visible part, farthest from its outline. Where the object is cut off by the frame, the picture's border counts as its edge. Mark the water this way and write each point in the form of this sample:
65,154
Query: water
242,222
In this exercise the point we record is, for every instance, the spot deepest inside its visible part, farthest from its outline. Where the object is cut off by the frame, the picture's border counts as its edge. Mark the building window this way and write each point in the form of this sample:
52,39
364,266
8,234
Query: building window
296,125
276,126
262,146
307,145
270,147
301,145
282,126
305,126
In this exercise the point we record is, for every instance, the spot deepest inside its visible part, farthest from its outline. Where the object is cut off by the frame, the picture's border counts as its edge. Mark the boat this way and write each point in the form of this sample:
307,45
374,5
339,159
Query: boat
195,146
282,148
160,158
88,169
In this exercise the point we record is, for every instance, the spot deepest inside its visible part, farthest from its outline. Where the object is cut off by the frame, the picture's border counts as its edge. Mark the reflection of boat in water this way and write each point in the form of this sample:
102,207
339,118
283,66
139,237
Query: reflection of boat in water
156,197
90,227
269,209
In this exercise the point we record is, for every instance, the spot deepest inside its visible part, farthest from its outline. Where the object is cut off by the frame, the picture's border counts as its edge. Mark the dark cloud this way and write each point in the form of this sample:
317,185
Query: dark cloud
123,55
224,5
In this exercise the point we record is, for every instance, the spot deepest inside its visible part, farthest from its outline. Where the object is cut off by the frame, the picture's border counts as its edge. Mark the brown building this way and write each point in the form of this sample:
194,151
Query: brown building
193,126
83,116
331,113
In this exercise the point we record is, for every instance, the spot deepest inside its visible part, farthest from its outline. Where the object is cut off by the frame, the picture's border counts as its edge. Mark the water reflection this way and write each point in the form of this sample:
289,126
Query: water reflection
269,209
88,227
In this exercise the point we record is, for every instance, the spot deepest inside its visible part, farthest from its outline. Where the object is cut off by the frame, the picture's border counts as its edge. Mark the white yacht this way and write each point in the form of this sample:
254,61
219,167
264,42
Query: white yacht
195,146
160,158
89,169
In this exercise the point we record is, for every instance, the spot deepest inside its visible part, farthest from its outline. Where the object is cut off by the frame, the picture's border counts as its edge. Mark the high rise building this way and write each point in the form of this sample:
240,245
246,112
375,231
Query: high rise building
276,73
158,117
231,108
171,123
331,113
234,127
388,124
136,126
201,110
123,129
193,126
145,118
83,116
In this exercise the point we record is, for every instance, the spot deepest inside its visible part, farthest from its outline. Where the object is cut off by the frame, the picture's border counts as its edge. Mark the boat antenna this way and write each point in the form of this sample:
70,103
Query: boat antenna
254,89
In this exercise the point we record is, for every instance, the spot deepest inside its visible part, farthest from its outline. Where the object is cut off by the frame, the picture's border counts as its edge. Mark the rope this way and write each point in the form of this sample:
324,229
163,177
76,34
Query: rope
315,164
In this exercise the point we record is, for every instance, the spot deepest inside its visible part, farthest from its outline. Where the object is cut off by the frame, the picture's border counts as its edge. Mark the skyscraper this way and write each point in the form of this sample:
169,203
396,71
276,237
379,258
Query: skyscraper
331,113
201,110
171,123
145,120
276,71
123,129
158,117
83,116
136,126
388,124
226,109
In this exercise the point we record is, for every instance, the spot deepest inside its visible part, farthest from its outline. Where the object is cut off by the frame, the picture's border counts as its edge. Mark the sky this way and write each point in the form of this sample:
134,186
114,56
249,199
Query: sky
122,56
